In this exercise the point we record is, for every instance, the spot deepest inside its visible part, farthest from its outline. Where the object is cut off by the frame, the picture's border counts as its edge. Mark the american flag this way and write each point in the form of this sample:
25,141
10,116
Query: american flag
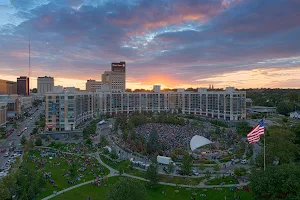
258,130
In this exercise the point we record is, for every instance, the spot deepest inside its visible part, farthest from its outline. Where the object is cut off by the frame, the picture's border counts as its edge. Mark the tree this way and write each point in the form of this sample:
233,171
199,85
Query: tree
89,142
34,90
10,182
187,164
277,181
218,130
284,108
34,131
280,146
30,144
237,171
217,168
201,167
38,142
152,174
127,188
171,168
4,192
154,141
114,155
23,140
103,141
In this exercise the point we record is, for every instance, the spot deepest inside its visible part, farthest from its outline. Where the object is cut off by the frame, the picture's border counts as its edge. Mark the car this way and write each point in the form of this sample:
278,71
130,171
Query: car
25,128
2,150
195,173
30,118
6,154
244,162
19,134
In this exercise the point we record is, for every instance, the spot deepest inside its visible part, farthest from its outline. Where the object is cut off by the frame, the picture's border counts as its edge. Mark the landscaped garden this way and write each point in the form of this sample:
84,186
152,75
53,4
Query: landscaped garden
160,192
222,180
60,170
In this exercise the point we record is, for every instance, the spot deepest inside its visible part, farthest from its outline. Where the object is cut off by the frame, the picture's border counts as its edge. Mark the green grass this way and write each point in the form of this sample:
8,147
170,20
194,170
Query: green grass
225,180
99,193
223,160
142,174
59,171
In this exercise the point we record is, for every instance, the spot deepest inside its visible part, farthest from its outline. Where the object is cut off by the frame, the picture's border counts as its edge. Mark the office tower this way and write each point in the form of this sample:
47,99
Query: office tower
23,85
45,84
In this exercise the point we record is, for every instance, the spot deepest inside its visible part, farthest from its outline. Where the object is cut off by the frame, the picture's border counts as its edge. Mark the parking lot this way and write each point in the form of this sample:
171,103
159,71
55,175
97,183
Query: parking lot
7,166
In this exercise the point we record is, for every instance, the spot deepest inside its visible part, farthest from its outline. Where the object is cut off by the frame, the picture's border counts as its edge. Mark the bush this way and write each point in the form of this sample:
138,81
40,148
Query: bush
52,144
38,142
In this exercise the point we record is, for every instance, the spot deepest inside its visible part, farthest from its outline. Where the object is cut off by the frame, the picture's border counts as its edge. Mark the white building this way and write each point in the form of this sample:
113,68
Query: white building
58,88
295,115
228,104
156,88
45,84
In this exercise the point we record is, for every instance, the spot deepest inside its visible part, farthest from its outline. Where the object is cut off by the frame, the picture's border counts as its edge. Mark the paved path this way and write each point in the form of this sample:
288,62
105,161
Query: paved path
114,172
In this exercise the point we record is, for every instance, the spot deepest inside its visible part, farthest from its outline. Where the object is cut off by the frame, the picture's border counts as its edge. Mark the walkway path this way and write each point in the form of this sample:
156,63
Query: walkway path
114,172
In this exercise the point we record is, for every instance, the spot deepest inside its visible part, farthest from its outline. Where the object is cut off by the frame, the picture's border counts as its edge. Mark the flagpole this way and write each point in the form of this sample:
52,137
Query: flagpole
264,149
264,152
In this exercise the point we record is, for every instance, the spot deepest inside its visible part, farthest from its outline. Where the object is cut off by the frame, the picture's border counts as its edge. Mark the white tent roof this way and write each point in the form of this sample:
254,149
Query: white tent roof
198,141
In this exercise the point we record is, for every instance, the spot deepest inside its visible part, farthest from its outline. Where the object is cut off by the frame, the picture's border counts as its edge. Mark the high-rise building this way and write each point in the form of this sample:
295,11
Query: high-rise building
45,84
93,85
11,87
8,87
116,78
23,85
118,67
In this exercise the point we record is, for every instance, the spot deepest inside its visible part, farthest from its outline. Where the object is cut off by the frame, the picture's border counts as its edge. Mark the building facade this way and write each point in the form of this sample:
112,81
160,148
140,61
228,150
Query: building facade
11,87
23,85
227,105
3,113
8,87
45,84
116,78
13,103
93,85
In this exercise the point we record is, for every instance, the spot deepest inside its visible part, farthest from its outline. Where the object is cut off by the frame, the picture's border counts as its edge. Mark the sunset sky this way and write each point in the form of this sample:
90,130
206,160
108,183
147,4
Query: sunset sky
175,43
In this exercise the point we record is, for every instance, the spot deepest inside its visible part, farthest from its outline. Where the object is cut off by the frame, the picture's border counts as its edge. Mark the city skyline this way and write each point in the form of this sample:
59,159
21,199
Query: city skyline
240,43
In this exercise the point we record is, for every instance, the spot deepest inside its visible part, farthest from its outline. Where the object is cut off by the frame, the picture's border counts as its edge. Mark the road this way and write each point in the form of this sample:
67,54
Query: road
16,139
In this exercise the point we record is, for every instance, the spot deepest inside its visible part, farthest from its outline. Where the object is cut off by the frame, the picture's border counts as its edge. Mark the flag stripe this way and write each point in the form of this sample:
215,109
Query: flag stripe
254,135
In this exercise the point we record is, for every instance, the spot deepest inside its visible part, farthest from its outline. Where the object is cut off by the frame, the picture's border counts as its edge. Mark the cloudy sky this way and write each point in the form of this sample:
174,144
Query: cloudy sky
175,43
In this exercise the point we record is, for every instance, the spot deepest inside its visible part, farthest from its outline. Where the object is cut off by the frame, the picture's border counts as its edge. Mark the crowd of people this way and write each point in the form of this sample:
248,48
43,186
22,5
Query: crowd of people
171,136
63,161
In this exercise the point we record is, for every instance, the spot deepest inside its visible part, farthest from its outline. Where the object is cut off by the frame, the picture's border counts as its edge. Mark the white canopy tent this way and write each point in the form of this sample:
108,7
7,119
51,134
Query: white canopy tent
198,141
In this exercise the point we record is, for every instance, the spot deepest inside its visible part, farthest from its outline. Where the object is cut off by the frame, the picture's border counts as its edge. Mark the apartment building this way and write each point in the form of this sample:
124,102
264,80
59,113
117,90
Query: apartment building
3,113
45,84
228,104
60,111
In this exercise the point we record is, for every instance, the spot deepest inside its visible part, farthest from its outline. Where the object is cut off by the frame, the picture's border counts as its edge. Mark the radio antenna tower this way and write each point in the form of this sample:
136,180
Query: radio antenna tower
29,63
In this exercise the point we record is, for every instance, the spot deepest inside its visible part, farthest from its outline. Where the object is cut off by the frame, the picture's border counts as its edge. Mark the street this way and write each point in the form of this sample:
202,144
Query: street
29,123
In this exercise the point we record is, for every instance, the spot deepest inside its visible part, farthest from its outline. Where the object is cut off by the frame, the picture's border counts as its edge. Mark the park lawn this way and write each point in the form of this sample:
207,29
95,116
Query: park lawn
99,193
57,173
142,174
180,180
225,180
